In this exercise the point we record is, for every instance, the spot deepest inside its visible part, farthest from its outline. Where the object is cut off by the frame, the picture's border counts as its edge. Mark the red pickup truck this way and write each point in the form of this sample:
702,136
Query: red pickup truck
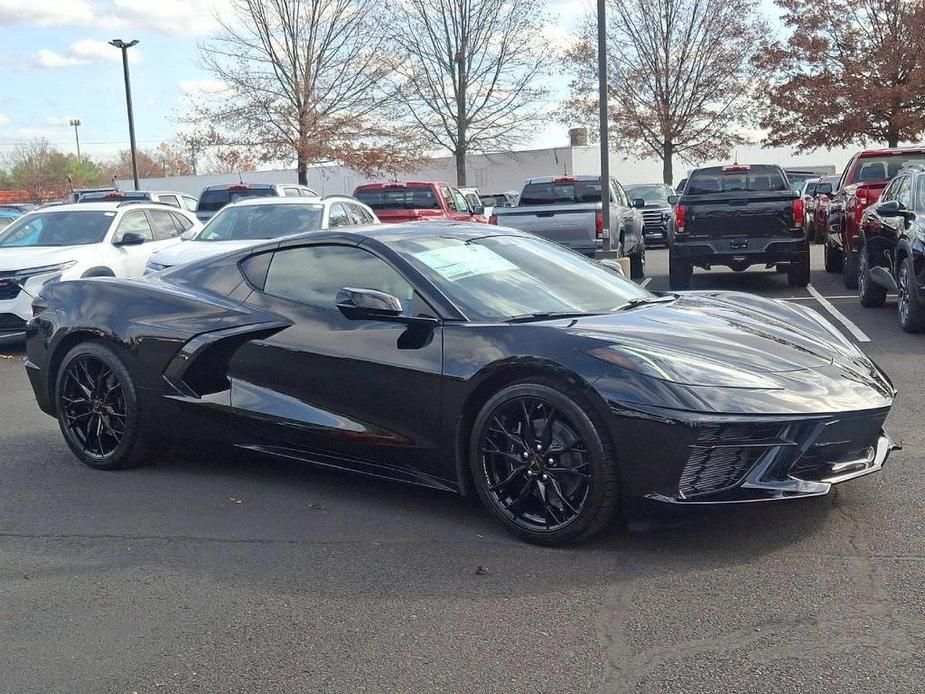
860,186
406,202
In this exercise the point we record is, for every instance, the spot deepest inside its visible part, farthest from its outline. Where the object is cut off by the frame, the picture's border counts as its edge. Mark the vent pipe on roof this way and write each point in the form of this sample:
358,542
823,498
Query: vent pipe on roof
578,137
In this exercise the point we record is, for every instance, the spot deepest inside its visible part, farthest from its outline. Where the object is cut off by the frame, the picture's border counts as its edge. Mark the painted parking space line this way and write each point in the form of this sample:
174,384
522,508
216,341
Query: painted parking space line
838,315
645,281
812,298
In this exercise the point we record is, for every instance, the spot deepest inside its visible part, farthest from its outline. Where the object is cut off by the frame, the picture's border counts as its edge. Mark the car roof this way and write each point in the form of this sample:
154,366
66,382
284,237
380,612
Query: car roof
550,179
263,186
111,206
401,184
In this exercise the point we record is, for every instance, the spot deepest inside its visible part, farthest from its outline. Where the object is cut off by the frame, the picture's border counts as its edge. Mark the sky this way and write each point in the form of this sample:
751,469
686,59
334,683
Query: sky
57,65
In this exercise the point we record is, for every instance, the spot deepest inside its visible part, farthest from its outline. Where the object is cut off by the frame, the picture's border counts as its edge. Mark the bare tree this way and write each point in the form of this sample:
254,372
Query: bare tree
679,73
304,81
466,71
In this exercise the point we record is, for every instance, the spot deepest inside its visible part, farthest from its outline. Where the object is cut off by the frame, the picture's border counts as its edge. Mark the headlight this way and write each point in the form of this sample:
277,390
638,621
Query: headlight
153,267
680,367
22,276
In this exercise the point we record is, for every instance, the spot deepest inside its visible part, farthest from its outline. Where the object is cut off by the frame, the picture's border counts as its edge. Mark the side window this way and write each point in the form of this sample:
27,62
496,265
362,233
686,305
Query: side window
904,192
313,275
460,200
338,217
169,199
135,222
163,225
291,192
621,195
450,202
356,214
890,191
183,224
190,203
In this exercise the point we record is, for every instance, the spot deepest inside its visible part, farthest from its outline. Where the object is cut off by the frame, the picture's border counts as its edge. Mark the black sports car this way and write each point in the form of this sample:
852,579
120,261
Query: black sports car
466,358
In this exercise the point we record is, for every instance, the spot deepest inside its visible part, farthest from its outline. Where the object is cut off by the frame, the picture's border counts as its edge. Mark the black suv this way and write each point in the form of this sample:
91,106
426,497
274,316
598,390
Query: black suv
737,216
891,249
214,198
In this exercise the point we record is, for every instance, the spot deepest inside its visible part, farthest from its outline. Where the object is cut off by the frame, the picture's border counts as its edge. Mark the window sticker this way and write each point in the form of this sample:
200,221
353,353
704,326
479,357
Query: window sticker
465,260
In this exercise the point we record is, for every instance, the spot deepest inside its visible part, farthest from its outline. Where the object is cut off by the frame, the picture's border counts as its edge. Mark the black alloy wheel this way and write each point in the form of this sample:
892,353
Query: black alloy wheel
638,264
870,294
541,464
833,258
909,304
97,407
798,271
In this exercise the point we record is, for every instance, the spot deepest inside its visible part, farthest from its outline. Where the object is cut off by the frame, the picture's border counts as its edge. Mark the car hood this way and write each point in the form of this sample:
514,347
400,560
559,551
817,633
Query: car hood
775,356
190,251
38,256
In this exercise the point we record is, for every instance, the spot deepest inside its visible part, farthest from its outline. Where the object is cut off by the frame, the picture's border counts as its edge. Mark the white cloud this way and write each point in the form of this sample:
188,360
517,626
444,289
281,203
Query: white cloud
202,86
177,17
82,52
4,120
46,12
59,121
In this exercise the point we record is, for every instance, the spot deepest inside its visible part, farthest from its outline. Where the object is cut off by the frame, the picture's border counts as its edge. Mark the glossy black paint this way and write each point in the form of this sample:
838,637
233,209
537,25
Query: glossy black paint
215,358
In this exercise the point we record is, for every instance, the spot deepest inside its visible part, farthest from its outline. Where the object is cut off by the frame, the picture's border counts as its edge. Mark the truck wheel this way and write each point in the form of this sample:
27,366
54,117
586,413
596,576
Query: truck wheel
798,270
910,305
679,274
638,264
849,267
833,259
871,295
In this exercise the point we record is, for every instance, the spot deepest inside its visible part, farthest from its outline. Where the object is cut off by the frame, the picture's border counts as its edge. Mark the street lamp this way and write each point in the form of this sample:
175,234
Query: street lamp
75,123
124,46
605,134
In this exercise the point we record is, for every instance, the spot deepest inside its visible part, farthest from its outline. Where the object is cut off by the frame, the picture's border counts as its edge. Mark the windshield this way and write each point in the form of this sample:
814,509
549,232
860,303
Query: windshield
214,200
561,191
759,178
885,167
57,229
651,194
399,198
495,201
495,278
250,222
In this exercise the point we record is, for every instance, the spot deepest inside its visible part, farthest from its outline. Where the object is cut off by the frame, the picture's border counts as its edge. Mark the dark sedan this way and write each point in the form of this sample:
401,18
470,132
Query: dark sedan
468,359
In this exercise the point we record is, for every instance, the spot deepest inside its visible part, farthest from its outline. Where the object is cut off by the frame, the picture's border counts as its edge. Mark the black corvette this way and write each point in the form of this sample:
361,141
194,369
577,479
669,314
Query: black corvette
469,359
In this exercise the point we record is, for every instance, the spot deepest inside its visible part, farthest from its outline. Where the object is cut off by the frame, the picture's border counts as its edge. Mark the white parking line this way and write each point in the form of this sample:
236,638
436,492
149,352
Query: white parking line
645,281
838,315
812,298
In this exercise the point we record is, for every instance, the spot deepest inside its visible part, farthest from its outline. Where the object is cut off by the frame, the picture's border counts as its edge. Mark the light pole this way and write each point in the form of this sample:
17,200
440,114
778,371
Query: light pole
124,46
75,123
605,131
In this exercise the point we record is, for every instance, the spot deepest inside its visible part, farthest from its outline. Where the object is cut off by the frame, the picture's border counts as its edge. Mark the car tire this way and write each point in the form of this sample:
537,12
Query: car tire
833,259
869,294
569,500
97,408
638,264
849,268
799,270
909,302
679,274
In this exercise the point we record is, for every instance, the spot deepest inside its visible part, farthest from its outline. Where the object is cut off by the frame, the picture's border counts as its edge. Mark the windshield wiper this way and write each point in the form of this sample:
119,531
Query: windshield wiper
545,315
645,301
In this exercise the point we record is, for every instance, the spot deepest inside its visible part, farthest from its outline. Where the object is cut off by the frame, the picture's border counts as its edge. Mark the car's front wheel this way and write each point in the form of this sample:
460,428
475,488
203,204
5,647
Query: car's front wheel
638,264
543,464
909,301
849,267
869,294
97,407
833,258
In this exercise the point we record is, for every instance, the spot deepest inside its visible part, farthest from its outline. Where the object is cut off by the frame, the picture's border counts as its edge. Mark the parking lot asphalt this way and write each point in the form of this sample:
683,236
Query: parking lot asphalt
210,573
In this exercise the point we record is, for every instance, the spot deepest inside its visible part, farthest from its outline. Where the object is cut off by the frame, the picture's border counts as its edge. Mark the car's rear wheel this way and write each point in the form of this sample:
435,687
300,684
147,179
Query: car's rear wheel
97,408
833,258
870,295
798,270
543,464
638,264
849,267
679,274
909,302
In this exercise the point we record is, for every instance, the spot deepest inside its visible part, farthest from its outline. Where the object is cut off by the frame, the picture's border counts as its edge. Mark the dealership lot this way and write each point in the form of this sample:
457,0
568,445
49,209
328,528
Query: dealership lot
216,572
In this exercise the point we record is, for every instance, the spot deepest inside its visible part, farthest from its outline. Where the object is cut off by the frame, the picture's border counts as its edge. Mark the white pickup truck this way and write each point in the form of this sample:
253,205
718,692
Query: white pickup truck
567,210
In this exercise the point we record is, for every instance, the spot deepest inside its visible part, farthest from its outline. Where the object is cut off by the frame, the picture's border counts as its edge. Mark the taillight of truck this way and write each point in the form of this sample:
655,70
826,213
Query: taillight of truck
798,210
599,225
493,219
680,214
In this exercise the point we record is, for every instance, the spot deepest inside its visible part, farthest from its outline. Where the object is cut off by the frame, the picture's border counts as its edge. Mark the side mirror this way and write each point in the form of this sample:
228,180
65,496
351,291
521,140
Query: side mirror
367,304
188,235
890,209
478,209
673,199
130,238
639,203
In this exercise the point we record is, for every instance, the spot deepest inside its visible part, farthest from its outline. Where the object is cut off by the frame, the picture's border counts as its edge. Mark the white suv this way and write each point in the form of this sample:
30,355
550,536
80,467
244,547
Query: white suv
92,239
251,220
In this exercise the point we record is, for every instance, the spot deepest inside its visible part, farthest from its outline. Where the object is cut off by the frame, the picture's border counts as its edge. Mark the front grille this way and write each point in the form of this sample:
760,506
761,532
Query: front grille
11,323
652,219
839,441
8,289
723,454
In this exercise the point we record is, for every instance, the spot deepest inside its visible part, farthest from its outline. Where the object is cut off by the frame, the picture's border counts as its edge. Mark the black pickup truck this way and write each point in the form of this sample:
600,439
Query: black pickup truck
737,216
